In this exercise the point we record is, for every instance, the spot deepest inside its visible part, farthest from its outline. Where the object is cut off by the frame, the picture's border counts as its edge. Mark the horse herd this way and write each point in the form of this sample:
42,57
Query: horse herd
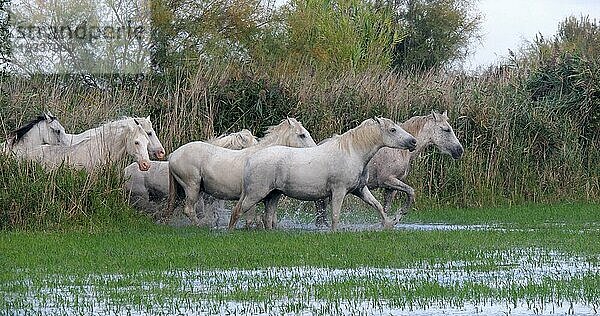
286,161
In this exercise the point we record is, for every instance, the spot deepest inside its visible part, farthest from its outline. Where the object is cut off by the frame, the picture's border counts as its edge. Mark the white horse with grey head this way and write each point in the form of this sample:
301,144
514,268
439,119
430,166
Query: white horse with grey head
199,167
44,129
110,142
155,148
390,166
330,170
148,189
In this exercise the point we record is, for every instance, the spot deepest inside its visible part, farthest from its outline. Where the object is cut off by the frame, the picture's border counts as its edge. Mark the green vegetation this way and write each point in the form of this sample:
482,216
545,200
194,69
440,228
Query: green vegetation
149,268
438,32
63,199
69,242
529,126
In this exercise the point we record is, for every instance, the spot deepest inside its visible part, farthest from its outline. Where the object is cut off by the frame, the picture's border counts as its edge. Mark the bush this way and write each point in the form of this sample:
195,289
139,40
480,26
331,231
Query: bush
33,198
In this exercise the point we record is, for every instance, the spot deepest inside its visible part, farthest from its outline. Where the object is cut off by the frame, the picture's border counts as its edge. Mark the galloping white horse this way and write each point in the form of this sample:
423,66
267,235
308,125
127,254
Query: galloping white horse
145,187
155,148
330,170
44,129
390,166
201,167
110,142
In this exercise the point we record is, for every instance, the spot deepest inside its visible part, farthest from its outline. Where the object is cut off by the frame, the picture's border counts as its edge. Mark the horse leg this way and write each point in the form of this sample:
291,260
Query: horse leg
337,197
321,213
270,217
396,184
251,219
365,194
202,210
389,196
192,193
245,203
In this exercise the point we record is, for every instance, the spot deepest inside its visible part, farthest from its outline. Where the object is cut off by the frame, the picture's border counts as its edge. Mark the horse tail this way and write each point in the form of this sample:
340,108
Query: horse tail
175,190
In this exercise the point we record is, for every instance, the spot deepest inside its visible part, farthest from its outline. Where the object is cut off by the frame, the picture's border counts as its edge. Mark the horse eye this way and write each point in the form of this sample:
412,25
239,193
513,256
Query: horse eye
393,130
447,130
137,143
149,133
302,135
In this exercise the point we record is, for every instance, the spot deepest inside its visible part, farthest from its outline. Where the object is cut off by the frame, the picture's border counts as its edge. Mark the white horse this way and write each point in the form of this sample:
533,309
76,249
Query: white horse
155,148
201,167
110,142
330,170
390,166
44,129
148,187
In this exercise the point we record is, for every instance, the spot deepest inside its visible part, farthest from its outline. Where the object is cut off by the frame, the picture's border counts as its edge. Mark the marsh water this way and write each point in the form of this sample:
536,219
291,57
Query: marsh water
315,291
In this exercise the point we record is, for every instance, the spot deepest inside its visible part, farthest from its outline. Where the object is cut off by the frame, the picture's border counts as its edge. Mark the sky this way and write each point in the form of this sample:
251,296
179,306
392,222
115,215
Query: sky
508,23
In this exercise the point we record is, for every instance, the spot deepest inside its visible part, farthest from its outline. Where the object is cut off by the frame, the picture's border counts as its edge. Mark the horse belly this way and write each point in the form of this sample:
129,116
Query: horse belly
305,189
224,188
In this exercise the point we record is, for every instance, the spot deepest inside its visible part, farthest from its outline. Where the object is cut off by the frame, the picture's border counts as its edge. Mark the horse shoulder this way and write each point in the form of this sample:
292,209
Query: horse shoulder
157,177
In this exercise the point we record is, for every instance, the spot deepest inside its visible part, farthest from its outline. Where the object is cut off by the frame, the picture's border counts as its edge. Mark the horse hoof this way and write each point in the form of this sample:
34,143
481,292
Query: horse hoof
388,224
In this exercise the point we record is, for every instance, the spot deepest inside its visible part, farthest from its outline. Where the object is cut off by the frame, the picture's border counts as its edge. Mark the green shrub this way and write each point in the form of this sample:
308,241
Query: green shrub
33,198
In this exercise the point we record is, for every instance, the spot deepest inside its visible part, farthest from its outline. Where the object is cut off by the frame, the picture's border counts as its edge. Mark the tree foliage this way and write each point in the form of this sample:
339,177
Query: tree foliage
349,34
186,32
565,73
439,32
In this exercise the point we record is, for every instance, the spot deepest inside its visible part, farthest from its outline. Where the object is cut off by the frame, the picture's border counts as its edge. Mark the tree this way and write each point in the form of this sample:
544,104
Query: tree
333,35
439,32
186,32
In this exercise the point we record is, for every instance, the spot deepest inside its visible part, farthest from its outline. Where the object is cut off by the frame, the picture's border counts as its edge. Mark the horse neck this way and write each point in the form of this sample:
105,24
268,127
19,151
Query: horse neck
28,140
271,139
363,142
111,138
414,127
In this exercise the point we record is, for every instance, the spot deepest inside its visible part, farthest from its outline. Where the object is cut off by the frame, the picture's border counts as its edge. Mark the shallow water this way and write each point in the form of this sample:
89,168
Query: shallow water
305,222
299,290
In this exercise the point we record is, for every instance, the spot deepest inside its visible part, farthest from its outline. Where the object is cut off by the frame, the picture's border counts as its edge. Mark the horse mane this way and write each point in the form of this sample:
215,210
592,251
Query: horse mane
363,136
120,122
415,124
275,132
237,140
16,135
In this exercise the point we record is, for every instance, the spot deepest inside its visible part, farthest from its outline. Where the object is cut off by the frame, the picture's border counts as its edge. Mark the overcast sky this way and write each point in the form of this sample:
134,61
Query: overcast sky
507,23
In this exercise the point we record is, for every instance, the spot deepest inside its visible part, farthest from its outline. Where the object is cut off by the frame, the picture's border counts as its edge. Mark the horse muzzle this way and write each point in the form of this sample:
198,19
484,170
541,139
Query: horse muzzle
411,144
160,154
457,152
144,165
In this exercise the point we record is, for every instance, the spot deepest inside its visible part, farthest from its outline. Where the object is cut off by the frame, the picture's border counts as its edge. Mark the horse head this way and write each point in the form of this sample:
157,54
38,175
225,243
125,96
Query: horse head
45,129
155,148
245,138
137,143
438,131
296,135
395,136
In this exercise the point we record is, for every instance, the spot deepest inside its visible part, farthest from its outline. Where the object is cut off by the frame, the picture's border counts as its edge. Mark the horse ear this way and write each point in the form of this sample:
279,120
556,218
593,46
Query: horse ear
435,115
136,122
289,121
377,119
51,116
148,118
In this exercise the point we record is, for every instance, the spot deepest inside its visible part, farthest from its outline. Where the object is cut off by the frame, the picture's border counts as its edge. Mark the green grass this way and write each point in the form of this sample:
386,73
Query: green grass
148,267
571,215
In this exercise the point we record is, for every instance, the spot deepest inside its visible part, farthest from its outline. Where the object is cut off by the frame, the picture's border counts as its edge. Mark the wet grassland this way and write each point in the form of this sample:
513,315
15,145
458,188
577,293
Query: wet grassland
520,260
